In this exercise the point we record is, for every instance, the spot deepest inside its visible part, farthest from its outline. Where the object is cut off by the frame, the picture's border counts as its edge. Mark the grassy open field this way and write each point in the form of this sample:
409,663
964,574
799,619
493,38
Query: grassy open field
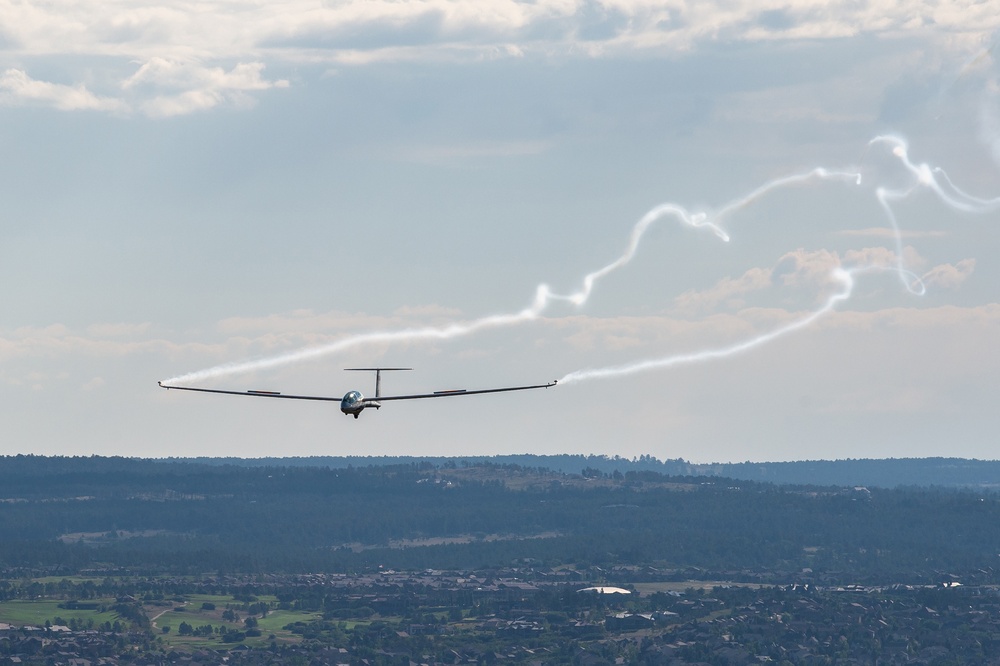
170,613
191,612
35,612
76,580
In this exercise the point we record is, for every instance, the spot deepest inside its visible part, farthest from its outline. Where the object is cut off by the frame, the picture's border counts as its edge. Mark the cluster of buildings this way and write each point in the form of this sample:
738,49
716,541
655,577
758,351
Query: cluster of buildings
512,616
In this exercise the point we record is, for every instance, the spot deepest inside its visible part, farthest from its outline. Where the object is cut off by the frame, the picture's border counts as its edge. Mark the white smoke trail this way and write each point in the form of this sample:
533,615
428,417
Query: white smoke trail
817,173
844,277
543,295
427,333
923,175
926,176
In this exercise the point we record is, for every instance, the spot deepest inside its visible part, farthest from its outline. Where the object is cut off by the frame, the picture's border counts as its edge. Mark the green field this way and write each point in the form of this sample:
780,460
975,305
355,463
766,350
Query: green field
76,580
171,613
35,612
191,612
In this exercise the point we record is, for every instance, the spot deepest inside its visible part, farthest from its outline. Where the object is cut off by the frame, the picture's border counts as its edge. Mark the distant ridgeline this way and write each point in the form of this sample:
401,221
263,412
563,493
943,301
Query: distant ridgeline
885,473
782,522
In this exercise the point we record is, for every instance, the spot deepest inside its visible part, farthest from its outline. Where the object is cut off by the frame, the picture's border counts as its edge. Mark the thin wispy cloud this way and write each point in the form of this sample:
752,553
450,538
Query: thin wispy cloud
807,274
950,276
197,87
886,232
17,88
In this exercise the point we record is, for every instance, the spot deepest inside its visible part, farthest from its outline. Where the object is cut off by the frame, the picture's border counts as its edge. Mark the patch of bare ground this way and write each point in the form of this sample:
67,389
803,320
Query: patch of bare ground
357,547
111,535
646,589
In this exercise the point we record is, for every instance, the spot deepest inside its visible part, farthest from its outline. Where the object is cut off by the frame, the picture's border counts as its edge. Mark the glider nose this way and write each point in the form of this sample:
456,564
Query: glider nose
352,403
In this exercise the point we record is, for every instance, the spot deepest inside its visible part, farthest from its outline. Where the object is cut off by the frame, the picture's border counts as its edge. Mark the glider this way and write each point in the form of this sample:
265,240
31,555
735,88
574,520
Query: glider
354,402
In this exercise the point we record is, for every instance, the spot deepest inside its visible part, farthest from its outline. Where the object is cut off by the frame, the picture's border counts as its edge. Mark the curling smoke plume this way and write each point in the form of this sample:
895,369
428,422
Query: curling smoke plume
922,176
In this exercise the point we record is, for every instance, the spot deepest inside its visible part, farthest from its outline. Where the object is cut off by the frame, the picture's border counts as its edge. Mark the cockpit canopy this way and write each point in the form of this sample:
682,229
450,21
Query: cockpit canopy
352,398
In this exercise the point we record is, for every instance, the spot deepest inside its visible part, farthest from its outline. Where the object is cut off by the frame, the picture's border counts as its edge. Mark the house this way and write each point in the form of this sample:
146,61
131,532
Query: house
628,621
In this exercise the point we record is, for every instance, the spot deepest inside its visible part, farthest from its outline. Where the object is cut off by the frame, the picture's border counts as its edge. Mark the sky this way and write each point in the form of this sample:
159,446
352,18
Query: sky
735,230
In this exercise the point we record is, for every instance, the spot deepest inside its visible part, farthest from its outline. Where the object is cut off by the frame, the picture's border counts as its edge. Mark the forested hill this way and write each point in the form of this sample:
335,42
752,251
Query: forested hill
886,473
59,516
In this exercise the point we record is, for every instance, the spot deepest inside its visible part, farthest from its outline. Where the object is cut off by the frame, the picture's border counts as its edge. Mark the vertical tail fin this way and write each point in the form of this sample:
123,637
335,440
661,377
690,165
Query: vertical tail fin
378,376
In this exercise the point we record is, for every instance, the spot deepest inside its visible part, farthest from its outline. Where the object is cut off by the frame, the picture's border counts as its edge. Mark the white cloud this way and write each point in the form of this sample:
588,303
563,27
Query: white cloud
728,292
806,268
234,29
883,257
199,87
193,88
184,103
17,88
94,384
163,73
809,275
800,271
97,341
949,276
165,33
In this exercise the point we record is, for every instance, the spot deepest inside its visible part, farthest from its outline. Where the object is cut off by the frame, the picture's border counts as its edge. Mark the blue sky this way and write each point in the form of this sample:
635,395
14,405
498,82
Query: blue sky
241,194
